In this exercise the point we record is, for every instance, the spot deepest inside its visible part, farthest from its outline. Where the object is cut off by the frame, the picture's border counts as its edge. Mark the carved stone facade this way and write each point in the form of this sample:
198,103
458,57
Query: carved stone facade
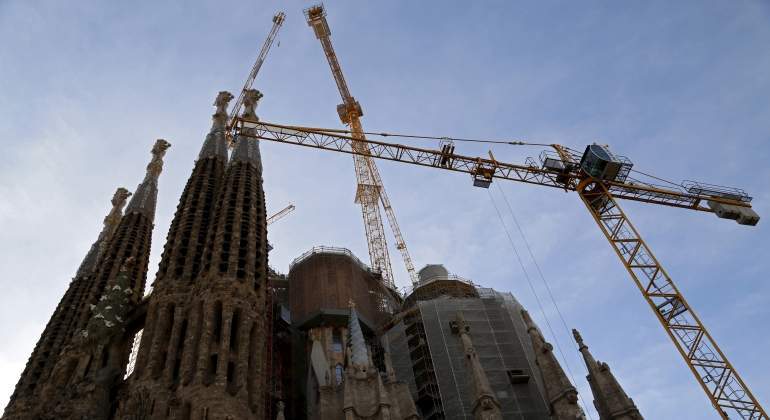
201,355
362,394
90,345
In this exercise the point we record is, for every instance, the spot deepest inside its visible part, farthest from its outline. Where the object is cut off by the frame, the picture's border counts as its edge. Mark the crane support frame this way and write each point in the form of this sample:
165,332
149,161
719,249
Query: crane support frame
720,381
715,374
530,174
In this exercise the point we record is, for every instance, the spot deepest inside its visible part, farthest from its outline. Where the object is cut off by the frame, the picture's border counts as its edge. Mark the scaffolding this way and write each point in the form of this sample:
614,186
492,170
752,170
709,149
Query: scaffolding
436,369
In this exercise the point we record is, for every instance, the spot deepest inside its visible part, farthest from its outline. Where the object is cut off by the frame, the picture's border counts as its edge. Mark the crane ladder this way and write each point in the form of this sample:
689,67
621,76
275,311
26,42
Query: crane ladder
722,384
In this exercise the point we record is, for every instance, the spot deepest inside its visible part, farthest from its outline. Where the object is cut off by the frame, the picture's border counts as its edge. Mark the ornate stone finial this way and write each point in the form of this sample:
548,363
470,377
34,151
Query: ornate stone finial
578,338
113,218
246,147
120,197
220,116
155,167
250,100
215,144
222,100
147,192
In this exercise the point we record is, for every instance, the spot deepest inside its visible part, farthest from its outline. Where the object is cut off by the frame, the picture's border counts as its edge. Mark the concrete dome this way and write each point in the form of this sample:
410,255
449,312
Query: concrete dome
431,271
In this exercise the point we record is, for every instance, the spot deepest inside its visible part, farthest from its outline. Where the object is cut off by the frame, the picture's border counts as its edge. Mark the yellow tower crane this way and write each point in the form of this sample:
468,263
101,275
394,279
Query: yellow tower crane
278,19
370,190
600,178
280,215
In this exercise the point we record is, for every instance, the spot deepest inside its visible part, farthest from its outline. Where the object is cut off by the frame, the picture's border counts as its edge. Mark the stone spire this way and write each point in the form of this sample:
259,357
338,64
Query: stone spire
131,239
60,327
561,394
215,144
111,221
147,192
206,322
485,405
183,251
610,399
359,357
247,148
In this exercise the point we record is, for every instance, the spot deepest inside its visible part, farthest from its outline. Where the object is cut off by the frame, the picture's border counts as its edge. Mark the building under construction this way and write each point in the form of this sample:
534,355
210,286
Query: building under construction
223,336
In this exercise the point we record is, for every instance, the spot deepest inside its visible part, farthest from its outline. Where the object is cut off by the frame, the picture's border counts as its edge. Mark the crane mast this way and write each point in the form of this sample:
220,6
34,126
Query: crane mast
722,384
278,19
370,190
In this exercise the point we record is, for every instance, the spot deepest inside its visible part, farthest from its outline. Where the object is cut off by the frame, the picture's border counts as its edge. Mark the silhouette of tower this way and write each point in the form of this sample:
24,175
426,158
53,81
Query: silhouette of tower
61,326
82,352
201,353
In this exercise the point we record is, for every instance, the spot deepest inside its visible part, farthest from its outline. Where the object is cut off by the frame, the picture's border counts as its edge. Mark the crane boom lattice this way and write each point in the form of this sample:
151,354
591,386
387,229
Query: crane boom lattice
724,387
278,19
281,214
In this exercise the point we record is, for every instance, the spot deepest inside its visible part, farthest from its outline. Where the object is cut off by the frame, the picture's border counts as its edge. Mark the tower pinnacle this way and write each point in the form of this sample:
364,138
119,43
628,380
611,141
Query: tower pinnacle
147,192
610,400
215,144
359,357
561,394
111,222
247,148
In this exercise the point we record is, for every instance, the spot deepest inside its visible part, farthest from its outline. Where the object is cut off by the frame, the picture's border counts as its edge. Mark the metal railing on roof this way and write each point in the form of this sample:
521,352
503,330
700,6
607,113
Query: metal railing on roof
452,277
328,250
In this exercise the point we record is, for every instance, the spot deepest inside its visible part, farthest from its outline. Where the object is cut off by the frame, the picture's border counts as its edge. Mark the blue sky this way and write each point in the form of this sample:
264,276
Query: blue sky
681,88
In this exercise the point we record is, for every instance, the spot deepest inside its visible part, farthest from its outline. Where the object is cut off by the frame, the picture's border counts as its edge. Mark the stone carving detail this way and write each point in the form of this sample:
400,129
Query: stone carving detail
147,192
610,400
561,394
485,405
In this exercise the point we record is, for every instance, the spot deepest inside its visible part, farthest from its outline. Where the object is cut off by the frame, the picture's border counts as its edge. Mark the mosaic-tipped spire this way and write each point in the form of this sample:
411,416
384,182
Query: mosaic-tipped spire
111,222
247,148
215,144
610,400
560,392
359,357
147,192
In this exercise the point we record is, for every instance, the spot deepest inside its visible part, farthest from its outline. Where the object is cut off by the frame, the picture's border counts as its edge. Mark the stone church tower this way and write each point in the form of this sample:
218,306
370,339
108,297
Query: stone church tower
61,327
200,355
83,350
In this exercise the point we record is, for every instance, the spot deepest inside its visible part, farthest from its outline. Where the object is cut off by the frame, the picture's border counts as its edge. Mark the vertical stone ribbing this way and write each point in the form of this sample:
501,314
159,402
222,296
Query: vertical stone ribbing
225,345
62,324
181,259
132,238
